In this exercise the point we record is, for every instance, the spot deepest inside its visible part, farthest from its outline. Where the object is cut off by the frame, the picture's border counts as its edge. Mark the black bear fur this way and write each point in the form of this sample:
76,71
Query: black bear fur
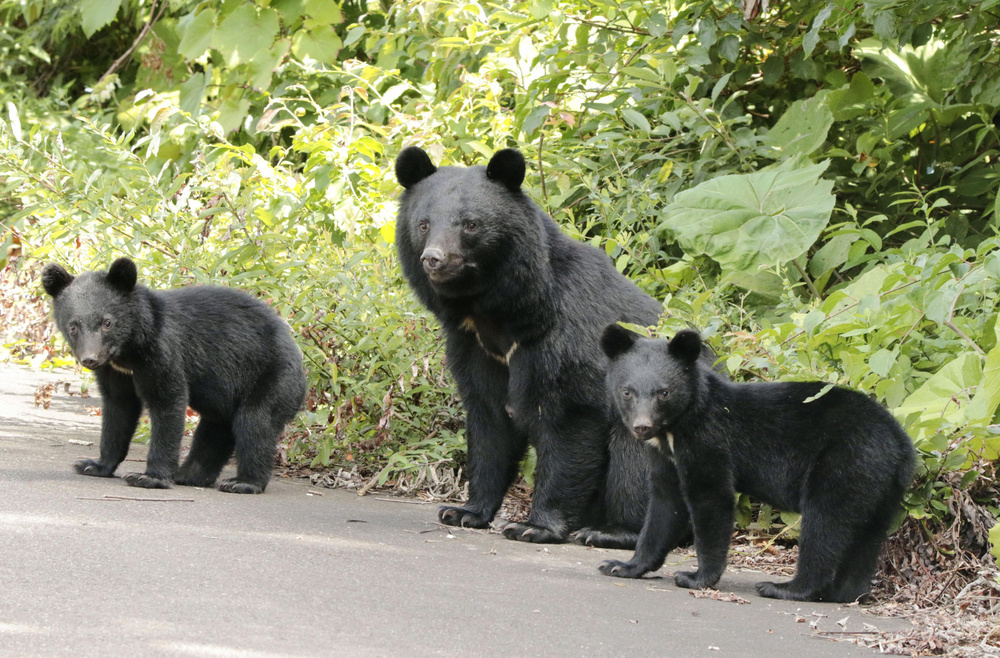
840,459
522,307
220,351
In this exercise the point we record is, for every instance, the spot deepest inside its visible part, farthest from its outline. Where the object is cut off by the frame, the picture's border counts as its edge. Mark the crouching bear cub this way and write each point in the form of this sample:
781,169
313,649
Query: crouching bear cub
840,459
224,353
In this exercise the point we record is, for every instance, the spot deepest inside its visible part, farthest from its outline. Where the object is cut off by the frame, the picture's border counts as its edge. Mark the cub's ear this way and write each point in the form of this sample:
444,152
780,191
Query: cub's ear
122,275
55,278
412,166
616,340
507,167
686,346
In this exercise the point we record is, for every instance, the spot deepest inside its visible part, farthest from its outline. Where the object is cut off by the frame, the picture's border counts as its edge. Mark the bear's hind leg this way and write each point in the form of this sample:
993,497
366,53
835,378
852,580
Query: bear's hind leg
855,574
823,544
256,433
857,568
211,448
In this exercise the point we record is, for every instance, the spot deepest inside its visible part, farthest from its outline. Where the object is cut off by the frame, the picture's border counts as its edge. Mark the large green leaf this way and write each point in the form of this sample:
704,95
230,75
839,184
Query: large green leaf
95,14
244,33
803,127
987,397
196,33
747,221
946,393
321,44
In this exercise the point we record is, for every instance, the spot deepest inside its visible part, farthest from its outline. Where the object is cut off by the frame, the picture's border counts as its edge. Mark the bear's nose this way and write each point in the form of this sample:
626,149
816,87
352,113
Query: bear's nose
432,258
642,429
89,363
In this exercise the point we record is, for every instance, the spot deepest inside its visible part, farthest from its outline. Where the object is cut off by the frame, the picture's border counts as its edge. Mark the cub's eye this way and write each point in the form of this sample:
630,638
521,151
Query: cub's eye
107,323
663,394
469,225
423,225
73,329
627,394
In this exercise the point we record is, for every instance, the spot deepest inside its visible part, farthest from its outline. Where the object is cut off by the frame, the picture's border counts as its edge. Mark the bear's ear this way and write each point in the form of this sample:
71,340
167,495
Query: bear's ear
55,278
412,166
686,345
616,340
507,167
122,275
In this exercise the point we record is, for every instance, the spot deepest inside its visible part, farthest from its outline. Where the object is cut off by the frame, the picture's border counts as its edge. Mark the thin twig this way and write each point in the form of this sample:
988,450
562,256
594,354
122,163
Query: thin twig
147,500
951,325
401,500
805,277
153,17
541,172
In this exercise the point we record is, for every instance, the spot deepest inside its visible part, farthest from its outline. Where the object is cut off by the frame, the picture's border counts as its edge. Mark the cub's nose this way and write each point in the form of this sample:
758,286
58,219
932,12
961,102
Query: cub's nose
90,363
432,258
642,429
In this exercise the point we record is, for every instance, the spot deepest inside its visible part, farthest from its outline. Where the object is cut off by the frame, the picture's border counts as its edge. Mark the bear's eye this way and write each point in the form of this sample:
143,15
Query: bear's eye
423,225
470,225
626,393
73,329
663,394
107,323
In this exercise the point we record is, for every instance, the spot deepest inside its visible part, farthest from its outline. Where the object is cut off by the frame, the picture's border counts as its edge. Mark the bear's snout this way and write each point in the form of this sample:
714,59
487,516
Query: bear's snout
643,428
438,265
432,258
90,351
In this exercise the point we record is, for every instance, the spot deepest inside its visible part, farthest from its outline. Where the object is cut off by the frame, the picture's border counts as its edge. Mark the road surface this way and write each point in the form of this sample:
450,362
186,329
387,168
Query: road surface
287,573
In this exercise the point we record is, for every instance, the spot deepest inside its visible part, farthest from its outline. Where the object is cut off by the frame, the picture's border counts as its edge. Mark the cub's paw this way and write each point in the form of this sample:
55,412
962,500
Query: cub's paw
193,477
193,481
597,538
462,517
146,481
691,580
620,569
95,468
232,485
533,533
782,591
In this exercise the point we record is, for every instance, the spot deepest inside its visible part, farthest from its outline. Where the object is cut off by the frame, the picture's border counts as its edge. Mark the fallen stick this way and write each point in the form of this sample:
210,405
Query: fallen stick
402,500
151,500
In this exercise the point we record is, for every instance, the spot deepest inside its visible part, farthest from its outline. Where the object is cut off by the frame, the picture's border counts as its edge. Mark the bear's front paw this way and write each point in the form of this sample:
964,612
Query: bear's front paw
95,468
146,481
620,569
692,580
533,533
776,591
462,517
232,485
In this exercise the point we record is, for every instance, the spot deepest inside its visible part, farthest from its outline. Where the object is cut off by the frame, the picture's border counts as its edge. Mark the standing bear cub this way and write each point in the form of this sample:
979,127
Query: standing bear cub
220,351
837,457
522,307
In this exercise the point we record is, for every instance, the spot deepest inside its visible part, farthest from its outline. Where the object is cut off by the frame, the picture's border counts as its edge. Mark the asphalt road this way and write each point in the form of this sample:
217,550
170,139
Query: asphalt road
287,573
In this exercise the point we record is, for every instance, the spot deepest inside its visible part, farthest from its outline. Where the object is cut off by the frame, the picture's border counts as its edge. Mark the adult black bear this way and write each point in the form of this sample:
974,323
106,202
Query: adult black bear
224,353
522,306
837,457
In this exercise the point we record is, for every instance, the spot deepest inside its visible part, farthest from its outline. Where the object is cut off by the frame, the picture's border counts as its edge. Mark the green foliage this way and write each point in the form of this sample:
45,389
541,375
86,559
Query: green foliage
747,222
814,187
995,542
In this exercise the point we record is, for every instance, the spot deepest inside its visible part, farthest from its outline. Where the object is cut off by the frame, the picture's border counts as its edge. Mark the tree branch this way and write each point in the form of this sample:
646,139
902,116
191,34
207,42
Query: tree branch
118,63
